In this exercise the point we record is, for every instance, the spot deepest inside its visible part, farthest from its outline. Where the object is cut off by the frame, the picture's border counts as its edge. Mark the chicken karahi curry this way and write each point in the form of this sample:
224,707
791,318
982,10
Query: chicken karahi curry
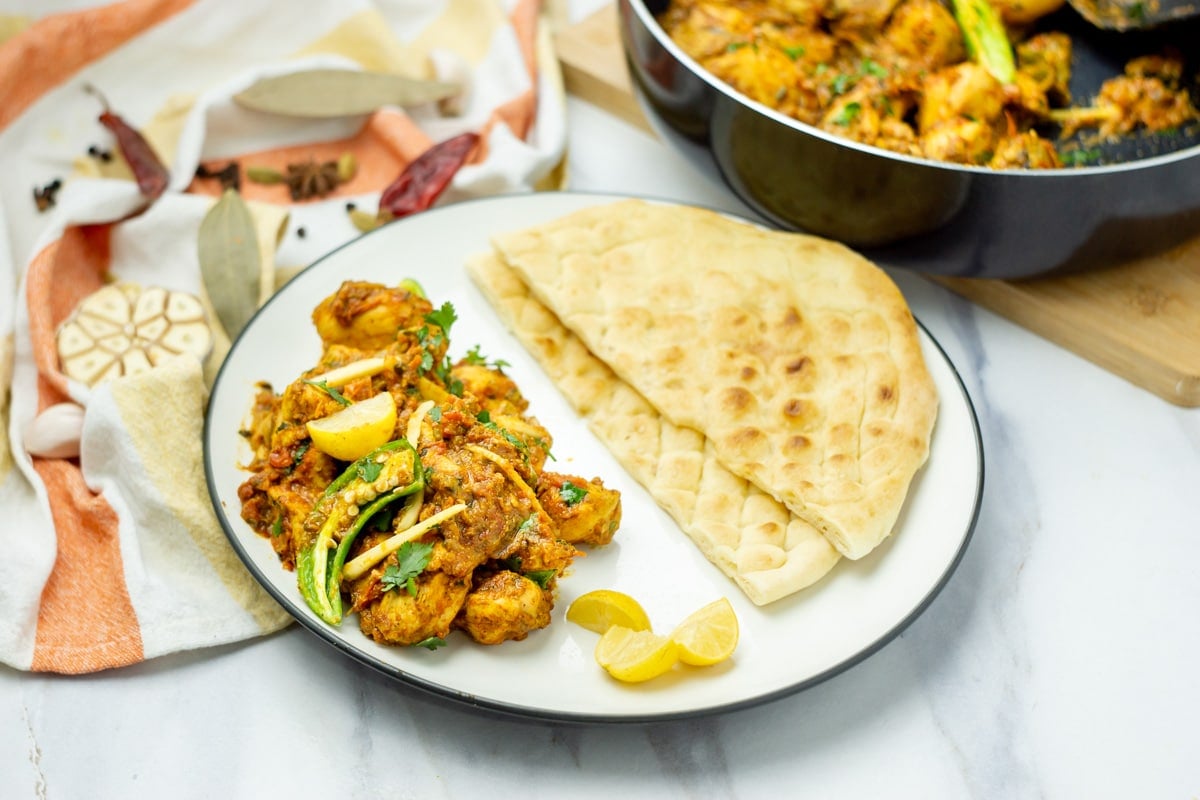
964,82
411,489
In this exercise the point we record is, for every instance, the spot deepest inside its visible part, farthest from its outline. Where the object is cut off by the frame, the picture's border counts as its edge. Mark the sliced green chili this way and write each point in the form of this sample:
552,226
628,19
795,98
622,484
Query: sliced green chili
320,584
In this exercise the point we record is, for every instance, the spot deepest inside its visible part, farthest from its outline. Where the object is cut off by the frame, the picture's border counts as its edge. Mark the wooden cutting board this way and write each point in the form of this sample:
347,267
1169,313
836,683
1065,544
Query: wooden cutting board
1140,321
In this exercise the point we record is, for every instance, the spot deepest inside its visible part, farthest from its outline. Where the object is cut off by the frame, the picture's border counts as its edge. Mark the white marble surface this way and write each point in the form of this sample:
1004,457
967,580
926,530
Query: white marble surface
1060,661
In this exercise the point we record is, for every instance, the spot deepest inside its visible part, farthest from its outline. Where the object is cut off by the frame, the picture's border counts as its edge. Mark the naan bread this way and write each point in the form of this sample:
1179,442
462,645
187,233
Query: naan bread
797,358
753,539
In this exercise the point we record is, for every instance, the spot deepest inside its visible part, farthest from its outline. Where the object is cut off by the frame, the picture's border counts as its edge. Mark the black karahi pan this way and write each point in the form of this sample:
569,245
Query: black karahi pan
1135,196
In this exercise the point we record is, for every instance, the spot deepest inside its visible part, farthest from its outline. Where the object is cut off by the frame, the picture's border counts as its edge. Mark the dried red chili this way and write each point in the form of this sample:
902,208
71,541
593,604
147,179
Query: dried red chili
424,180
151,176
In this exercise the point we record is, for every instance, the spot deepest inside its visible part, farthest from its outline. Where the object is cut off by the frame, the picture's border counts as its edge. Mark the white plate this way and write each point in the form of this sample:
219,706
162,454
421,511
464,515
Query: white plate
784,647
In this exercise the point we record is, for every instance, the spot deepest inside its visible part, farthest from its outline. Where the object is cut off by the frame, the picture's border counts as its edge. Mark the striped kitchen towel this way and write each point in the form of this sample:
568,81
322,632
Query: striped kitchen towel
112,552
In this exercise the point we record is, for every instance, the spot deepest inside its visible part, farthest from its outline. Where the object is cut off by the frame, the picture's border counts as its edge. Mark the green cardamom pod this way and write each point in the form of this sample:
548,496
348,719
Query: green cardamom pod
264,175
347,166
363,220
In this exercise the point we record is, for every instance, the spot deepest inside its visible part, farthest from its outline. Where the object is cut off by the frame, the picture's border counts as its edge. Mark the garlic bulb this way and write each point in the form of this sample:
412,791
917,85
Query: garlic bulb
55,433
123,329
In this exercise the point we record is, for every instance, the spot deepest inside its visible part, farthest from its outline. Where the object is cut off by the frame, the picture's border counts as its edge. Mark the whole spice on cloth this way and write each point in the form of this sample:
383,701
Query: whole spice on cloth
71,603
152,177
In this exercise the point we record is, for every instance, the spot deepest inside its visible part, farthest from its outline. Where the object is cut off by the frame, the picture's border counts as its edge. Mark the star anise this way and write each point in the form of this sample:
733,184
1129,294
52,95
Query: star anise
309,179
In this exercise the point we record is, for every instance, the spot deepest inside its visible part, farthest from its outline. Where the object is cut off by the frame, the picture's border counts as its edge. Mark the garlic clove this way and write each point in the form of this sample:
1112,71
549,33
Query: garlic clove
56,432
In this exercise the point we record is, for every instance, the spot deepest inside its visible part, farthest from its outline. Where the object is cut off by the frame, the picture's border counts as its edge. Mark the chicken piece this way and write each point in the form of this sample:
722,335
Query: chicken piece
860,20
764,74
1046,58
960,140
537,548
705,29
1025,95
504,606
1143,101
585,512
400,618
494,390
1025,151
367,316
807,13
1023,12
1167,67
962,91
926,33
853,117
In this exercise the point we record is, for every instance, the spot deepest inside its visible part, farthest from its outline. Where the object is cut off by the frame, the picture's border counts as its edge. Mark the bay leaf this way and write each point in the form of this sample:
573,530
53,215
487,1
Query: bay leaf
322,93
230,261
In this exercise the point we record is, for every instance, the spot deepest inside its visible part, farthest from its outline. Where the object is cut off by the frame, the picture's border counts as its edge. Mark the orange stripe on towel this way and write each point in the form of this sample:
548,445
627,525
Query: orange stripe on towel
54,48
86,621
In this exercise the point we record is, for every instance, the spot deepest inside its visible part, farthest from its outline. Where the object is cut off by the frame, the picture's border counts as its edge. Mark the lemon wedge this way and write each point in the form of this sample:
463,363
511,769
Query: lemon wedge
357,429
635,656
708,635
600,609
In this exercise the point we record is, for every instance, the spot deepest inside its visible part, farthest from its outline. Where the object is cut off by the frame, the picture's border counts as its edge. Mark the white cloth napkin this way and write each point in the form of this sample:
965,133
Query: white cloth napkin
115,555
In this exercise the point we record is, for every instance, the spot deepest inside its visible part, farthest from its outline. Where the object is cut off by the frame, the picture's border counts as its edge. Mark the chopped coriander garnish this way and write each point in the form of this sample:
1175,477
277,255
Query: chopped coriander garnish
435,413
571,494
847,114
485,419
298,453
794,52
432,643
528,525
329,390
841,83
411,560
368,469
476,358
277,526
869,67
1080,158
444,317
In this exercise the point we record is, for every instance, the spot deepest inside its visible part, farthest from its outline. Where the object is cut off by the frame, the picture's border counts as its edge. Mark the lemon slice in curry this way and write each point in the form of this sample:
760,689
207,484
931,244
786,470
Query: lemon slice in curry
635,656
600,609
357,429
708,635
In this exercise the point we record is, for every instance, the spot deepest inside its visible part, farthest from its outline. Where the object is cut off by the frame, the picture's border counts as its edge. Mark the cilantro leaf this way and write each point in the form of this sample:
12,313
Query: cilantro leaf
411,558
443,317
475,358
571,494
869,67
432,643
298,454
529,524
794,52
848,113
329,390
841,84
435,413
368,469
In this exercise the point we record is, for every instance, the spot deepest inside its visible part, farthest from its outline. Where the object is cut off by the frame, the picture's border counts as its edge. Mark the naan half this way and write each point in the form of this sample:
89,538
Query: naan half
797,358
753,539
